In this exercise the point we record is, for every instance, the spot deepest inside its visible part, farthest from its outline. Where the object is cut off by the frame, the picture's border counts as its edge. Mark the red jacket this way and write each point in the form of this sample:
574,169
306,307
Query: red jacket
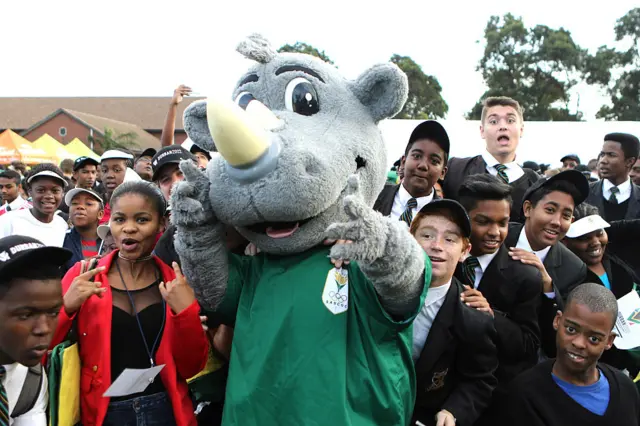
183,349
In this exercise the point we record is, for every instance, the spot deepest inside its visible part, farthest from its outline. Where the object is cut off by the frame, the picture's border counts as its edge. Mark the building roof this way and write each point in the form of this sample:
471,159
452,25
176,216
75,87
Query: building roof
145,112
99,124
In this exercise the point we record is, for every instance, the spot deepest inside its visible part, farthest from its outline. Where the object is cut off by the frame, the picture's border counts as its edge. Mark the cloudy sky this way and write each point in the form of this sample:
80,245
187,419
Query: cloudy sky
146,48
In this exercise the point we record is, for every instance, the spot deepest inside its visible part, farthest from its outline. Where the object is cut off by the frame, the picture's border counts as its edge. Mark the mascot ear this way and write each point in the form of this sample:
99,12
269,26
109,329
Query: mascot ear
195,124
383,89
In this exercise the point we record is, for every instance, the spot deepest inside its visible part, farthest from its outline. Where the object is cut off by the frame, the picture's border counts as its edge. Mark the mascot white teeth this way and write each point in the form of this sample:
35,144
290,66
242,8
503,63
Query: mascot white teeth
302,160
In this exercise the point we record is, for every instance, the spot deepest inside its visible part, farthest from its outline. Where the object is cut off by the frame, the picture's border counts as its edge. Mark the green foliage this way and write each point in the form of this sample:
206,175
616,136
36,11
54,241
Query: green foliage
425,99
618,71
300,47
127,141
536,66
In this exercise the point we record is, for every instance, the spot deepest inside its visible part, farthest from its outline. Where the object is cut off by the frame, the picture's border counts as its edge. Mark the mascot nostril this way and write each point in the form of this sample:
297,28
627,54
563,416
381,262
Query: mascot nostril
310,340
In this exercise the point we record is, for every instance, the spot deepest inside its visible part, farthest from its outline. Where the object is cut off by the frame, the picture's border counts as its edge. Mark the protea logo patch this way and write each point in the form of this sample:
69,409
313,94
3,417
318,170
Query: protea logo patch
335,295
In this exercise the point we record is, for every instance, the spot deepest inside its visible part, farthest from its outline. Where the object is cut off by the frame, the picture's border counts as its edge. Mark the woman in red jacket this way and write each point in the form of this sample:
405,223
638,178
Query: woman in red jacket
133,311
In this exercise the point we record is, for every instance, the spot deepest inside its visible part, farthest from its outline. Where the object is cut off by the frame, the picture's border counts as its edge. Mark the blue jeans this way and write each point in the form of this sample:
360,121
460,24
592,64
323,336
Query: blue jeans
149,410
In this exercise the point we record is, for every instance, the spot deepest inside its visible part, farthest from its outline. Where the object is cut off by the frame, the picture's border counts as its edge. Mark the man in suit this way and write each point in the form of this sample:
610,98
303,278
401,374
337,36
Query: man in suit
511,288
424,162
453,344
635,173
502,125
616,196
548,208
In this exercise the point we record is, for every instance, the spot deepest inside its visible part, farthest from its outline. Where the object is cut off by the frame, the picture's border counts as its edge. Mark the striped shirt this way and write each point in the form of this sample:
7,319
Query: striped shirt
89,249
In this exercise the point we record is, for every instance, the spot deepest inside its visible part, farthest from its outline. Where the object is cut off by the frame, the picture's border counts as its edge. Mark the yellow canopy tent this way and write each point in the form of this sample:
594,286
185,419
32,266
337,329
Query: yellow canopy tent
14,147
79,149
53,148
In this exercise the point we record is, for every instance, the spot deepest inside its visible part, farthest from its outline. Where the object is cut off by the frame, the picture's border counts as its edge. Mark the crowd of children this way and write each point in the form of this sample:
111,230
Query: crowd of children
517,326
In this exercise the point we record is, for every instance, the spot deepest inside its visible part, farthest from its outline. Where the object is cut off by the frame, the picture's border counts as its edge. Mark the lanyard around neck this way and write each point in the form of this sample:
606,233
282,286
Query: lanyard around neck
133,306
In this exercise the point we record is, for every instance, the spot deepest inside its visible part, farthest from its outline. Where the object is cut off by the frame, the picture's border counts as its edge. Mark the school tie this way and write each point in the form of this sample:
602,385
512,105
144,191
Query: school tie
613,199
470,265
4,402
407,216
501,172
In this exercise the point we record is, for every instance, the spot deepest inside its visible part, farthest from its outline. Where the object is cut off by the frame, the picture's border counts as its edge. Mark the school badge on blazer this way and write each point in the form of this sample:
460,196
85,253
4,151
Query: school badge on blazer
437,381
335,295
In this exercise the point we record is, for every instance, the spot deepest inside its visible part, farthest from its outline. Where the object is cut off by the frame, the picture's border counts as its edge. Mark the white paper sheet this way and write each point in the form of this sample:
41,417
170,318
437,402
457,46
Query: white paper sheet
133,381
628,323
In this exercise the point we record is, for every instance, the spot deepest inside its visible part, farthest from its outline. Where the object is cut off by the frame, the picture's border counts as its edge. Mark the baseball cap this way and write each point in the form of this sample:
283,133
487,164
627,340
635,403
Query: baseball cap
69,196
116,154
172,154
19,251
81,161
573,177
586,225
573,157
103,231
149,152
457,211
48,173
431,130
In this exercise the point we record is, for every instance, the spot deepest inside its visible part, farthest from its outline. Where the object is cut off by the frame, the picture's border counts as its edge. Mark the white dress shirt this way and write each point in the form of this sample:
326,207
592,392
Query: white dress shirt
513,170
484,262
424,320
624,187
13,381
402,198
523,243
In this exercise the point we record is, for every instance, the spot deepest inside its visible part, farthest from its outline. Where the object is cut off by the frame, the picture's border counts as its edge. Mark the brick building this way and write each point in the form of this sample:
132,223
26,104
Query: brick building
67,118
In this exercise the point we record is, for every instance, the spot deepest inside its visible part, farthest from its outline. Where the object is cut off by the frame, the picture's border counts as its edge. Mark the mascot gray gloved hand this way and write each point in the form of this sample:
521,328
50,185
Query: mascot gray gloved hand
301,160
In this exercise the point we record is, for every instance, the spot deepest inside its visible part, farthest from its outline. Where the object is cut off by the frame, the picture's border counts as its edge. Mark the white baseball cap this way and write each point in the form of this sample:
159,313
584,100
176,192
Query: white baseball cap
103,231
116,154
586,225
69,196
48,173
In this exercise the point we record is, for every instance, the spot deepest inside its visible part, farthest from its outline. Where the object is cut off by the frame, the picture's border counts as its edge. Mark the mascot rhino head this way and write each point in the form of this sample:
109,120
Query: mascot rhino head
295,133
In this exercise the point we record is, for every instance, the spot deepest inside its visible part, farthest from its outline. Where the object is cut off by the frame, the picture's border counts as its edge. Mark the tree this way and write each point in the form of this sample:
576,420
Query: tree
300,47
618,71
425,99
110,140
537,66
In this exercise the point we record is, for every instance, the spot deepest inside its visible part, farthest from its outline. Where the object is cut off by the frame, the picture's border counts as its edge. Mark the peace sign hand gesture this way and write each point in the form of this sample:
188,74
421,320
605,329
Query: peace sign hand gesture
82,287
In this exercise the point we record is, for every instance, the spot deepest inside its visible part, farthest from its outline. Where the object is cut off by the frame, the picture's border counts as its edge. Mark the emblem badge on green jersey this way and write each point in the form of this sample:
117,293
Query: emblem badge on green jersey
335,295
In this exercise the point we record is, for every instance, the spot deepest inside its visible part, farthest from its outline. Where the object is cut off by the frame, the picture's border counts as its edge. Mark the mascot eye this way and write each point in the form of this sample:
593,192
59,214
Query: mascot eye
243,99
301,97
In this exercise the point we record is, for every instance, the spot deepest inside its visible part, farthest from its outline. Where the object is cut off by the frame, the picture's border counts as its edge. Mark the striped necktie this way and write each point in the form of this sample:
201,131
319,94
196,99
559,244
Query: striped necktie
501,168
4,402
470,265
613,199
407,216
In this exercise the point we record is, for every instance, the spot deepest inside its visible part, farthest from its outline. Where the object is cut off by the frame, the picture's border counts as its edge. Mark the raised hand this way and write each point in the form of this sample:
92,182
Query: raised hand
190,204
365,231
83,288
180,93
177,293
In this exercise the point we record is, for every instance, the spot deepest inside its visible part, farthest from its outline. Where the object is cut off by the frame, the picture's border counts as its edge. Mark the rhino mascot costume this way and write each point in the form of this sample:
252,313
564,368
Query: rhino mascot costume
302,160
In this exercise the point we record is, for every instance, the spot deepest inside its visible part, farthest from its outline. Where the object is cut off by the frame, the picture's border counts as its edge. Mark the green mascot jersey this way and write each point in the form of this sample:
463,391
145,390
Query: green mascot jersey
314,346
